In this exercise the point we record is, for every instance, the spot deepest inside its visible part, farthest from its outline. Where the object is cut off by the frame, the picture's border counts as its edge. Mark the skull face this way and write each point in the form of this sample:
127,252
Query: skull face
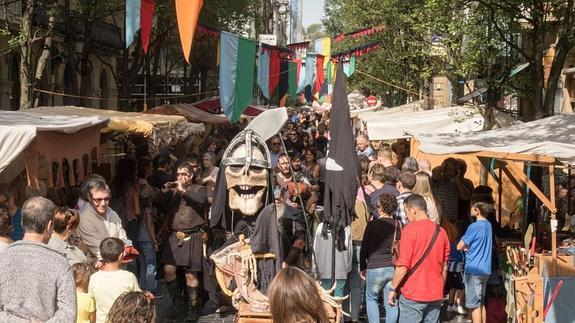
246,185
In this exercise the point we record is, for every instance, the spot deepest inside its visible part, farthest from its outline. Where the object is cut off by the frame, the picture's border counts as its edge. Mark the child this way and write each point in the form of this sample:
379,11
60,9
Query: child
477,242
455,278
110,282
86,306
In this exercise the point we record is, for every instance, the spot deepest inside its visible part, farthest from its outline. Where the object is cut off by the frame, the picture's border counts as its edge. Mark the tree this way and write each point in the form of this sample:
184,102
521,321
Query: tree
314,31
34,39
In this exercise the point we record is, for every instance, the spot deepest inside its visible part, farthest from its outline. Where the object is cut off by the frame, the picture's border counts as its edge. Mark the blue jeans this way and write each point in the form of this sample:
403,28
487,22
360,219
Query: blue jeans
147,266
356,287
339,286
379,279
413,311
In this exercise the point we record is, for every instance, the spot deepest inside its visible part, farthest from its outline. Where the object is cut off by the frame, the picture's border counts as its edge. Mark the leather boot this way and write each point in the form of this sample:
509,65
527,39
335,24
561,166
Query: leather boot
193,304
176,295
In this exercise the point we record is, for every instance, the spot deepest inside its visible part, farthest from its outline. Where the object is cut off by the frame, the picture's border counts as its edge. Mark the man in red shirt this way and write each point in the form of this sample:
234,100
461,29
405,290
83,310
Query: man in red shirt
422,290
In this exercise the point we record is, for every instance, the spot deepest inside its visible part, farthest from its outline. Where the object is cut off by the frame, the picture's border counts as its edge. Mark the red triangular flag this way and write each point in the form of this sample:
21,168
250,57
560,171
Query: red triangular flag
147,9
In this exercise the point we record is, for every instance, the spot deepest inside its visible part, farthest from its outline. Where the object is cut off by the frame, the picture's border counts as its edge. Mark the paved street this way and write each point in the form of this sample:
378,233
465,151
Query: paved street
163,306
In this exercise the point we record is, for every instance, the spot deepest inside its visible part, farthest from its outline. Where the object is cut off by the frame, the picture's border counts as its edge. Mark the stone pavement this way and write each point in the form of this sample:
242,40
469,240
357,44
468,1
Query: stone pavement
163,306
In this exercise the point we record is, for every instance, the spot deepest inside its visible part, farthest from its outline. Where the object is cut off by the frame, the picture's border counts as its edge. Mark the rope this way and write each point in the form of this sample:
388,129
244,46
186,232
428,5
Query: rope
116,99
395,86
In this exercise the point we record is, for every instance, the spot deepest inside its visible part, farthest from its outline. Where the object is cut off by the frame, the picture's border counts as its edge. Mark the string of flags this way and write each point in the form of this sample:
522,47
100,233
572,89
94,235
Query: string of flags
280,71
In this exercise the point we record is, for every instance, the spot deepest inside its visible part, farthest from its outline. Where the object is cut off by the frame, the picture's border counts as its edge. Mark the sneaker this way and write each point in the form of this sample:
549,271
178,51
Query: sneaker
459,309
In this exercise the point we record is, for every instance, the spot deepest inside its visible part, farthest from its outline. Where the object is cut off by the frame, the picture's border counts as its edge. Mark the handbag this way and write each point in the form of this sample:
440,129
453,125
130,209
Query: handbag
420,261
395,243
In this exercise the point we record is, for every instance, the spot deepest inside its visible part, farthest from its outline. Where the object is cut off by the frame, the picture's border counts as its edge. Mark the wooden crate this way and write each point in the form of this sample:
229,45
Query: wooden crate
246,316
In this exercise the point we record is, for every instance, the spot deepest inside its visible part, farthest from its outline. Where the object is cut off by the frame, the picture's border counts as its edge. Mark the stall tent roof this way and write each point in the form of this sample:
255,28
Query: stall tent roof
400,124
159,129
551,137
204,111
19,128
190,112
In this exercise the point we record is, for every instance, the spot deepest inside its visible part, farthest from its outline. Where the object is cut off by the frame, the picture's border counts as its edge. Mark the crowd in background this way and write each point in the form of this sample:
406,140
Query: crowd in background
150,221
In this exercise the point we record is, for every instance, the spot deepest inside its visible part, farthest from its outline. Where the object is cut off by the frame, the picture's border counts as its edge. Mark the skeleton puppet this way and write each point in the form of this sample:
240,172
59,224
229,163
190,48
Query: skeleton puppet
243,204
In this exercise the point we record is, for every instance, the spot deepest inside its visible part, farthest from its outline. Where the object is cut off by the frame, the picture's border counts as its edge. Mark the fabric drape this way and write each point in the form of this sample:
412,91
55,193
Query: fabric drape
236,74
188,12
132,20
147,9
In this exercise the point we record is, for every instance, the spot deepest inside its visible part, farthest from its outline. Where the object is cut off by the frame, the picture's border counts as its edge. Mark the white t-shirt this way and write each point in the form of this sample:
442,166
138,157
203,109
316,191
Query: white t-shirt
106,286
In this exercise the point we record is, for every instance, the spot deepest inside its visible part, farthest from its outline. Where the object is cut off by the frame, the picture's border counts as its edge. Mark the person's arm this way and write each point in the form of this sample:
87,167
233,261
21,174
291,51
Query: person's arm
65,299
151,228
6,316
136,197
199,197
398,276
315,172
461,245
363,253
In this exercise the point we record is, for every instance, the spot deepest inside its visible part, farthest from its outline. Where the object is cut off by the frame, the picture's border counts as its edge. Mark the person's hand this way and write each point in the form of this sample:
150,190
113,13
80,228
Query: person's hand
391,298
362,274
284,264
98,264
149,295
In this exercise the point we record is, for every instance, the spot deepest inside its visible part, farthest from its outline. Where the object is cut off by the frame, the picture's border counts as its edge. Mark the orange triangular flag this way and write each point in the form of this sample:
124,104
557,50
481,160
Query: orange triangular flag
188,12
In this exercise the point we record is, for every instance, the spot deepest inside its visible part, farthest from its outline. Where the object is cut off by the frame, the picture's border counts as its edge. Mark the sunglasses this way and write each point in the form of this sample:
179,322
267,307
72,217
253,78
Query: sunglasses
100,201
182,174
275,143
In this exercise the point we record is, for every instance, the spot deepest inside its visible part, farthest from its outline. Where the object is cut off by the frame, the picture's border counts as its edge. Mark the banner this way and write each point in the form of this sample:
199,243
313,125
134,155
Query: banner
132,20
188,12
264,72
236,74
147,9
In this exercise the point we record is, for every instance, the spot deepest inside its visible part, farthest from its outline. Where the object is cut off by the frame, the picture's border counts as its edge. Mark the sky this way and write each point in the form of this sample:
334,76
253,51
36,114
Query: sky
312,12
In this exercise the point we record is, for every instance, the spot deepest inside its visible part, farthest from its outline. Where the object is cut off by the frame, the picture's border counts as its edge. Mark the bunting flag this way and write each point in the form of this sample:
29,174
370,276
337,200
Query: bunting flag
349,66
298,46
292,77
147,9
132,20
274,76
323,47
283,87
359,33
188,12
264,72
236,74
308,70
357,51
318,74
208,31
341,166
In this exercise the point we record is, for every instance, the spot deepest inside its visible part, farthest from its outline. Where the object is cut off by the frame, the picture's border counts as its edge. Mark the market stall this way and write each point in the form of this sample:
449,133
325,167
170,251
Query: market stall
29,138
540,285
394,124
158,129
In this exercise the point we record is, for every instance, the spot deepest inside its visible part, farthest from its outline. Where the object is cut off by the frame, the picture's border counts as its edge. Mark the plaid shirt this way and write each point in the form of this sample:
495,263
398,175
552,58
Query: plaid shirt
400,214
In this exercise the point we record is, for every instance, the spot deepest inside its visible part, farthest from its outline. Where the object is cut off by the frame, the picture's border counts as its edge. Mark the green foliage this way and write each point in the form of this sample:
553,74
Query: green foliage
421,38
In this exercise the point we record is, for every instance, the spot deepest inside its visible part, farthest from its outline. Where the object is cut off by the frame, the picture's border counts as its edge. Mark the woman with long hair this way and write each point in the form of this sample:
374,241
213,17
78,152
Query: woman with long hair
132,307
423,188
309,156
294,298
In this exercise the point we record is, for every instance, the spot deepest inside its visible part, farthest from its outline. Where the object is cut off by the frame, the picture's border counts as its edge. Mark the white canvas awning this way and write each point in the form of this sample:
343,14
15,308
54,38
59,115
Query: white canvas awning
18,129
551,137
446,120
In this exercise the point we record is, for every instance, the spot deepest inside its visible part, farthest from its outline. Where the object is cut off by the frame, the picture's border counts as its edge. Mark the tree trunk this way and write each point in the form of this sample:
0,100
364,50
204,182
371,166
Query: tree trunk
44,56
561,52
26,70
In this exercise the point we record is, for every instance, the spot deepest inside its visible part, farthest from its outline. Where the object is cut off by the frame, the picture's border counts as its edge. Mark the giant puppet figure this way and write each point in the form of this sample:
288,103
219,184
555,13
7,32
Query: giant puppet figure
244,207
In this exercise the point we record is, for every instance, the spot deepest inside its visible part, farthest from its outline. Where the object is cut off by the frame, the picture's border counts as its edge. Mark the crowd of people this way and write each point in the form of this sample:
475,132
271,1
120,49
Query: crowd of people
100,259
